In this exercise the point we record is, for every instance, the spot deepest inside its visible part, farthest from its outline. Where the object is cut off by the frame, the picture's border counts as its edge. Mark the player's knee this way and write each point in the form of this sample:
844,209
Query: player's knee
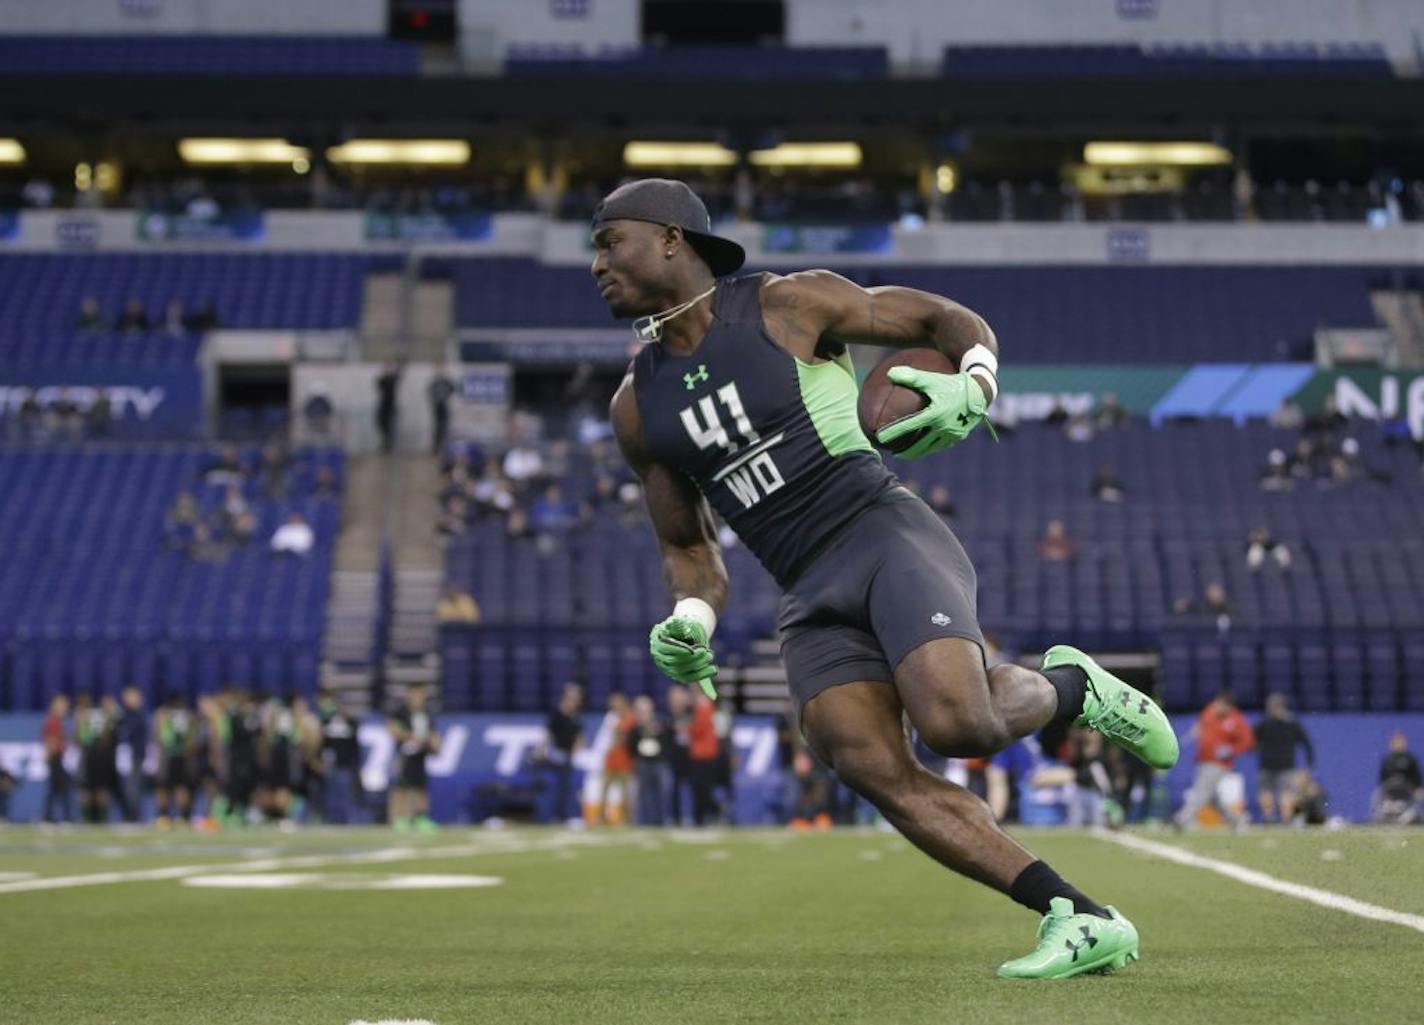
957,733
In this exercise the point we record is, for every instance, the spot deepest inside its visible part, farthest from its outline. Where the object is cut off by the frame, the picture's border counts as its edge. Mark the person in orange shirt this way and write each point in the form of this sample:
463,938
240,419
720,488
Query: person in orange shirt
703,751
1223,735
618,762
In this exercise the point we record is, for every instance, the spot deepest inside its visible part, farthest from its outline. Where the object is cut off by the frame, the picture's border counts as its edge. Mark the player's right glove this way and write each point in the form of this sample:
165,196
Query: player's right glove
680,649
956,406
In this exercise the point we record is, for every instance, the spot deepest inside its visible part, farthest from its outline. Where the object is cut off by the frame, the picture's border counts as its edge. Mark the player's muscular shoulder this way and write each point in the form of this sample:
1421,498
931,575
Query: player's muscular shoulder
797,309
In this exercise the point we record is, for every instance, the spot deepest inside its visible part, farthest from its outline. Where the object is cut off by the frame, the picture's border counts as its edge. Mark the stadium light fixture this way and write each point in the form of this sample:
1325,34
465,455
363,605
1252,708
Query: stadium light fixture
240,151
401,151
11,152
809,154
1146,154
677,154
945,178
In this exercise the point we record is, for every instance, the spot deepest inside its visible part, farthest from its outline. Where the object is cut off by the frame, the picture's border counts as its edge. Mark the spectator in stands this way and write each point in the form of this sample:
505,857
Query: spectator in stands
618,759
226,468
648,742
1328,420
66,422
1261,544
1106,485
134,319
295,537
516,525
523,464
1057,414
131,734
318,411
274,470
554,512
387,403
1399,798
1214,603
205,318
1091,784
1055,545
1131,783
1277,474
1079,428
234,508
90,317
1288,416
30,418
440,390
1222,735
941,503
1278,734
59,793
456,606
175,322
1110,412
454,518
325,485
563,739
99,417
1308,460
180,521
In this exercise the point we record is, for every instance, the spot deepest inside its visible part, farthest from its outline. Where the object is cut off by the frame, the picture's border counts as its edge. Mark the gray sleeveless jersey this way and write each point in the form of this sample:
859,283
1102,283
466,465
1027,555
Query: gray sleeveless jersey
773,442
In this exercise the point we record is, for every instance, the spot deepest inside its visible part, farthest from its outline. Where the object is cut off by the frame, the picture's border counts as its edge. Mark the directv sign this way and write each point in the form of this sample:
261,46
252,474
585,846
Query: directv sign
170,401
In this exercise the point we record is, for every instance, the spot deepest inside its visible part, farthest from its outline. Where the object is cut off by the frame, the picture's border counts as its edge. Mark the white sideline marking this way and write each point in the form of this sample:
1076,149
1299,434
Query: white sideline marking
395,1021
1249,876
338,881
490,845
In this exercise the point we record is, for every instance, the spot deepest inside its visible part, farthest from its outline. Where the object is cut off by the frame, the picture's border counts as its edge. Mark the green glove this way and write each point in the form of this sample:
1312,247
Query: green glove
680,651
955,408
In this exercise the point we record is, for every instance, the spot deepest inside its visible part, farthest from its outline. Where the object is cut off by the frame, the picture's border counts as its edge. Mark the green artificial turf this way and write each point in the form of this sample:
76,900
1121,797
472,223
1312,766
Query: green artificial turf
629,927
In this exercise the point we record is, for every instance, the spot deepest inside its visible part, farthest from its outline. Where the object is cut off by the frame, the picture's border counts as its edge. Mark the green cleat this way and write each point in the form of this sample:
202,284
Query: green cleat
1122,714
1070,944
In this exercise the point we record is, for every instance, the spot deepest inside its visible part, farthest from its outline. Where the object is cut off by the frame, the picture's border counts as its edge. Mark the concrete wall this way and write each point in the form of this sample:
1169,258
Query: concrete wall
187,17
488,28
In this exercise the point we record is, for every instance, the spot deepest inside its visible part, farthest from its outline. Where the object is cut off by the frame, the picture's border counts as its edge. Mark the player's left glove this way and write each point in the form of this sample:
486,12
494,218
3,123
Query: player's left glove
680,649
956,407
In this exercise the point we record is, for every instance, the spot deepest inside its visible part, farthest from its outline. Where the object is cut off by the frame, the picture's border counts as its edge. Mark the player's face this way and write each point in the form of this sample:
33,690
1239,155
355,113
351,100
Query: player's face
627,263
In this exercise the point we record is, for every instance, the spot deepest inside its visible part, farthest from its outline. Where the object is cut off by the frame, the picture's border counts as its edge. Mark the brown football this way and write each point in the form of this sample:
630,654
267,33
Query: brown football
882,401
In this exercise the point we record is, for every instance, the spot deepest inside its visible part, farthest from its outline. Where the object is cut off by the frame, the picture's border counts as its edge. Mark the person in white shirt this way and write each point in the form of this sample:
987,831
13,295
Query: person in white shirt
294,537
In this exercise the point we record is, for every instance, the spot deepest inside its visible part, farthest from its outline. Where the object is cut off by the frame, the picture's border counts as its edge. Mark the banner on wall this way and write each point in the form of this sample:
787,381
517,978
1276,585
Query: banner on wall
222,226
1371,393
170,399
494,754
826,238
428,227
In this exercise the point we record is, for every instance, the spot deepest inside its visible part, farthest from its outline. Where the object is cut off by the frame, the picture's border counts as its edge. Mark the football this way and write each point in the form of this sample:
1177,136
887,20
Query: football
883,402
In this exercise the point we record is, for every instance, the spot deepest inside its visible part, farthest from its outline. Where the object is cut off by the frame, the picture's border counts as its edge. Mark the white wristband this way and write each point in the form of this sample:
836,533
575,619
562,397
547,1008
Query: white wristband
982,359
698,610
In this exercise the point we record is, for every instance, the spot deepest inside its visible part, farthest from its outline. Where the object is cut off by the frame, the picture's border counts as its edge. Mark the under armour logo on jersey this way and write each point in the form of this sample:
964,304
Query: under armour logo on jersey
940,619
1089,940
691,380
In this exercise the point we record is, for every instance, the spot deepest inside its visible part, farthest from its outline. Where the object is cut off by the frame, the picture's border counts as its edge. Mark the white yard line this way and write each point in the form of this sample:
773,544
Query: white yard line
1260,880
490,845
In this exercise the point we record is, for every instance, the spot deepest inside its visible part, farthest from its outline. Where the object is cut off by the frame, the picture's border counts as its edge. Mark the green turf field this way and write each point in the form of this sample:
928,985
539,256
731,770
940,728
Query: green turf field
670,927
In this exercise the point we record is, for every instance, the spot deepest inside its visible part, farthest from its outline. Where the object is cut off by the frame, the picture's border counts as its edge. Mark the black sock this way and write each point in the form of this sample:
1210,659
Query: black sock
1071,683
1038,884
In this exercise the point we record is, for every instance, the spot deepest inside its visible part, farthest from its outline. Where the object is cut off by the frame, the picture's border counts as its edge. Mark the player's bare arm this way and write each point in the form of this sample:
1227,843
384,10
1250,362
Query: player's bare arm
692,558
807,310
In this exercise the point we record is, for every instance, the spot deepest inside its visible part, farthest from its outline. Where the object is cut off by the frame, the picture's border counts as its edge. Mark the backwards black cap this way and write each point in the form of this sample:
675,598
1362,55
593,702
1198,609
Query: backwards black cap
665,201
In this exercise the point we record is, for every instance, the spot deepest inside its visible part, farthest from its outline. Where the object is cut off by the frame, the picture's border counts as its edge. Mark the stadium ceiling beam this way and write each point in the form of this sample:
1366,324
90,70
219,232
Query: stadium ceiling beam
462,104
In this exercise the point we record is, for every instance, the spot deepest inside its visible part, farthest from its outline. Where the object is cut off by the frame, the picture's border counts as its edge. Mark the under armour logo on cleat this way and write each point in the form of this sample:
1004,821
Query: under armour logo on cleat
1089,941
940,619
691,380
